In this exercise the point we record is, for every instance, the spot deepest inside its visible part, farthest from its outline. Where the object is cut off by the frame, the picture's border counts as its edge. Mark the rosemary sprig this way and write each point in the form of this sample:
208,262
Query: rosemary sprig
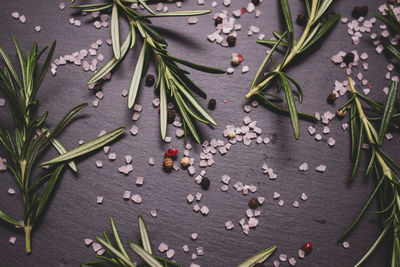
117,255
31,136
391,20
173,82
381,166
316,28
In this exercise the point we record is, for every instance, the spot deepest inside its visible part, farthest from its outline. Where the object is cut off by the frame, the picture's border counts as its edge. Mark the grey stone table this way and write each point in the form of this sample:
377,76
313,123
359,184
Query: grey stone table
73,213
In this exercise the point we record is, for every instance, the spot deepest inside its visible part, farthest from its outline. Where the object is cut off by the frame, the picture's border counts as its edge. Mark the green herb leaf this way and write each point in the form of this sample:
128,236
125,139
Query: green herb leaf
197,66
181,13
148,258
66,119
291,105
323,30
10,66
287,14
125,260
48,190
374,246
163,109
144,235
8,219
392,50
388,112
117,239
358,154
60,148
109,66
197,105
259,257
115,32
86,147
100,8
188,121
366,205
143,4
136,77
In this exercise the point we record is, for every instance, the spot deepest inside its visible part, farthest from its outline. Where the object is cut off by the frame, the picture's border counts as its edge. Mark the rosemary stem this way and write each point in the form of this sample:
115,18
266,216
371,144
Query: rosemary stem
362,116
28,230
385,168
292,54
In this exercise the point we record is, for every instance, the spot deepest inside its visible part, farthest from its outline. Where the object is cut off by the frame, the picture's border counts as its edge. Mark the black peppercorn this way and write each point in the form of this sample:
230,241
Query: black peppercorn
171,116
331,98
255,2
218,20
150,79
97,87
301,19
253,203
359,11
231,40
348,58
205,183
212,103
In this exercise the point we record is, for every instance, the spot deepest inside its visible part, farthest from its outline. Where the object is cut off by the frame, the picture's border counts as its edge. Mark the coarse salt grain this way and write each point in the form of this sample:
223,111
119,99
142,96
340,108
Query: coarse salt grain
346,244
126,195
11,191
88,241
229,225
170,253
321,168
162,247
136,199
99,200
12,240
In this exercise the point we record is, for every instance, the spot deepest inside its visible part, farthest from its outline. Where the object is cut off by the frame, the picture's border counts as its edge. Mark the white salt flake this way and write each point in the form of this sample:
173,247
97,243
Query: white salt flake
292,261
301,253
283,257
321,168
12,240
296,204
99,200
136,199
229,225
346,244
88,241
153,213
204,210
303,196
96,246
170,253
276,195
162,247
99,163
15,15
126,195
303,167
11,191
22,19
112,156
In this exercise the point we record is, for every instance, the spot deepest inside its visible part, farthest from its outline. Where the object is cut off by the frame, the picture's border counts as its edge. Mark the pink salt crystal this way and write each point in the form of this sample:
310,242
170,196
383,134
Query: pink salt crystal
136,199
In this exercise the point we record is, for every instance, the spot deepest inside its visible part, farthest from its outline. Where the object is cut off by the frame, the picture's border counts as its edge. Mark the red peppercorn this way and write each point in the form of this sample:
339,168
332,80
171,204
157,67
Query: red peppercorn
307,247
243,10
171,153
240,58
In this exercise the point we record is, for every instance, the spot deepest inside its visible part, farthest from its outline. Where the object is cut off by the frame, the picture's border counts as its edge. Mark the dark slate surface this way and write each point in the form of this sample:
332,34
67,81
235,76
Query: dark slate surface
73,213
